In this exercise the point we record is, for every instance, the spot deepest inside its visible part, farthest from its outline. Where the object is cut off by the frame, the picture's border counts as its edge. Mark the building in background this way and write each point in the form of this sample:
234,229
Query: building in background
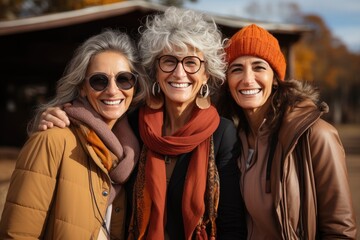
34,52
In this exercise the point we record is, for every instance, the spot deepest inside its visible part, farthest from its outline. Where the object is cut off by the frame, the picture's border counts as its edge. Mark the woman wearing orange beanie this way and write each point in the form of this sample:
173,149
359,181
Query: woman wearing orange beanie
294,178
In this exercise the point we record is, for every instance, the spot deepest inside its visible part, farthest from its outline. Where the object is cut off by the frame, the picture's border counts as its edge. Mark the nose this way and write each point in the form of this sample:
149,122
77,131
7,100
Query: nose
179,70
112,88
248,76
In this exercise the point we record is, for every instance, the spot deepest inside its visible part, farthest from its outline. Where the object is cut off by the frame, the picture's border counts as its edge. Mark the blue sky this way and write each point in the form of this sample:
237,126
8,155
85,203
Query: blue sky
342,17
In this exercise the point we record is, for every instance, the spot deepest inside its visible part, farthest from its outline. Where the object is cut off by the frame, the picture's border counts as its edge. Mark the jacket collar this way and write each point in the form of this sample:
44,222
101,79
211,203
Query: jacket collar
297,120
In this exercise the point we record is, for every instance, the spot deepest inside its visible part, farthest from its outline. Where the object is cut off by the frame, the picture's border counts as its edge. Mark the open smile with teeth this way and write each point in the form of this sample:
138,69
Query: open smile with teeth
179,85
250,91
115,102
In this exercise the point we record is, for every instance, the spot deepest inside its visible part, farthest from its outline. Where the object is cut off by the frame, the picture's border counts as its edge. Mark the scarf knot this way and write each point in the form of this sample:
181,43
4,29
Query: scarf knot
120,141
195,136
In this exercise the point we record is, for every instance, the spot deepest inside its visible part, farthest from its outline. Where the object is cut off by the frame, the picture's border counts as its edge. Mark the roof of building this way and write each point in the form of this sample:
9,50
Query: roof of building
63,19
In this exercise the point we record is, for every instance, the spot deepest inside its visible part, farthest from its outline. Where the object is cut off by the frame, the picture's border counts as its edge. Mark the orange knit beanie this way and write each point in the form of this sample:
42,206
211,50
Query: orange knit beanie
255,41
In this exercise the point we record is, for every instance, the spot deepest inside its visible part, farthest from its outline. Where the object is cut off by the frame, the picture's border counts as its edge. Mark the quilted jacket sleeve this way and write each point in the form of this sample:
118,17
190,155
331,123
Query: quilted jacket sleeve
32,187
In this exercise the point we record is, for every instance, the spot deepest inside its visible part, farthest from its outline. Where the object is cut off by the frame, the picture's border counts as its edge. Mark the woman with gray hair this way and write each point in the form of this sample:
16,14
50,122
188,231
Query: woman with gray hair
187,181
67,183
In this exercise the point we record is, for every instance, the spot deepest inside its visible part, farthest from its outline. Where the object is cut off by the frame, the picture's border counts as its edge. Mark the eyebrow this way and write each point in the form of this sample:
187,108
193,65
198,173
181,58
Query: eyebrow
259,62
236,65
252,63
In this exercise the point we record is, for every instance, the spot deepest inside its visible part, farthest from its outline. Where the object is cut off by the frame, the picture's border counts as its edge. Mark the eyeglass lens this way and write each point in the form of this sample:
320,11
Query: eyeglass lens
191,64
124,81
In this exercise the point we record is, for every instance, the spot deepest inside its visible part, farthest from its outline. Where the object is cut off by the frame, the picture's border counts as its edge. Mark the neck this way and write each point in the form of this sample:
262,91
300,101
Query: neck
176,117
255,117
110,123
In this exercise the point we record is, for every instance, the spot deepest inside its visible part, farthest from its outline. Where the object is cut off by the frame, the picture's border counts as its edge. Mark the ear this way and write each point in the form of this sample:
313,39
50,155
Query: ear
275,82
275,85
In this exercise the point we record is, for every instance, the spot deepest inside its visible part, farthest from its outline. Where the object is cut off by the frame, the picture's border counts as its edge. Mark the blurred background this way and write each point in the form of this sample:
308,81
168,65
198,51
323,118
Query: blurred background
320,39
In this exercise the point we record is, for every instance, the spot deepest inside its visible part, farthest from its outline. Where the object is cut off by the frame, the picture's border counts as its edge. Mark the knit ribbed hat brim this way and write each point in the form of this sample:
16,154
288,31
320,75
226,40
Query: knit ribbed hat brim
255,41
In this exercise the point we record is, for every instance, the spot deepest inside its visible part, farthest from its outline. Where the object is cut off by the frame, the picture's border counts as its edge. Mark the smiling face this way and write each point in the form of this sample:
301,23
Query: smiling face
112,102
250,82
179,87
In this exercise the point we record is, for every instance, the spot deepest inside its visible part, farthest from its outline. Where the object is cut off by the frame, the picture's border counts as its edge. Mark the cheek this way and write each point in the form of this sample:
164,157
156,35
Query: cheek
232,83
233,87
161,77
269,83
92,97
129,96
90,94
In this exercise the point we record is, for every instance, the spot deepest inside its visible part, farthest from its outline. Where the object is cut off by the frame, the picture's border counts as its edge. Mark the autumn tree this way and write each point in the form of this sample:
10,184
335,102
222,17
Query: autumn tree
324,59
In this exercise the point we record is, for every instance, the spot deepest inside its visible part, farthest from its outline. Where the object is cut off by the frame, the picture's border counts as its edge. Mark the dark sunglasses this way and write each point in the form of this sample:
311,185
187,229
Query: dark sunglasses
124,81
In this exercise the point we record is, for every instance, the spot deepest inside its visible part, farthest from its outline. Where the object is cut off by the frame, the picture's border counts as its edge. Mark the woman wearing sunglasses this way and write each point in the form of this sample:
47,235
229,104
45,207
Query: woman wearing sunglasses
67,183
187,181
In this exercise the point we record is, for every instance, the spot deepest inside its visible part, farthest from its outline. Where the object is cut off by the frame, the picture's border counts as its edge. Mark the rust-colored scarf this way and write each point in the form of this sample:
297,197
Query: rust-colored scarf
150,192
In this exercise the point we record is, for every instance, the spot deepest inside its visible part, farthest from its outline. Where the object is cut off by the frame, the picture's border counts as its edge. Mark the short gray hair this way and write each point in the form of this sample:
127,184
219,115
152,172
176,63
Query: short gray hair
180,28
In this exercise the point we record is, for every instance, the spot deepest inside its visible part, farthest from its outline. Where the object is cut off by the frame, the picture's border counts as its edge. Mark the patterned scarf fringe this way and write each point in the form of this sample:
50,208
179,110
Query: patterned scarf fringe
211,200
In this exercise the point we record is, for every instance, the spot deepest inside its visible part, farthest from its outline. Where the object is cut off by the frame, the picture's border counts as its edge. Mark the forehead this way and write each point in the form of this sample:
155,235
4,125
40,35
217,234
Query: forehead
248,59
108,61
181,51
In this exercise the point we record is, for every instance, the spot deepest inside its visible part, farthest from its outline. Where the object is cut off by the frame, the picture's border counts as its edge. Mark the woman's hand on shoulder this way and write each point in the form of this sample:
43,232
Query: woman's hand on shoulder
54,116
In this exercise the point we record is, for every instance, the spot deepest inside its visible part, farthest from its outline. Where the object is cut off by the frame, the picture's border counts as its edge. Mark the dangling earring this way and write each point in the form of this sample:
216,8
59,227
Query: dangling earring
155,101
155,90
203,99
204,90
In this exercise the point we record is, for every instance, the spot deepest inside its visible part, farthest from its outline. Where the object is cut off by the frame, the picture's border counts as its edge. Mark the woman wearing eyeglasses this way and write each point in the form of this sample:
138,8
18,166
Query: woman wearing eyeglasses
187,182
67,183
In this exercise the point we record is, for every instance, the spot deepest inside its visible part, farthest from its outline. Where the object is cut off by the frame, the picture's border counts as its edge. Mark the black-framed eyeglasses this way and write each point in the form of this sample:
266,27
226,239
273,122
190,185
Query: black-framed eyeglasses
124,81
191,64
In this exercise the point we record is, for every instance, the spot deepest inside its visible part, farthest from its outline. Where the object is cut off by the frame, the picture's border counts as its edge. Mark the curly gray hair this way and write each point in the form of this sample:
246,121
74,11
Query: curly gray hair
180,29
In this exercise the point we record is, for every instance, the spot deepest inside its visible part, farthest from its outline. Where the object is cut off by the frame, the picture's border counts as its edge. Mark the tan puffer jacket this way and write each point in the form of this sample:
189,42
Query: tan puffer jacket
59,190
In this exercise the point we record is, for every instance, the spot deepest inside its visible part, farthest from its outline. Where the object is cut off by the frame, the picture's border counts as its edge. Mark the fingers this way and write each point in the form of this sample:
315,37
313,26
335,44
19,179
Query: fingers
44,125
53,116
67,105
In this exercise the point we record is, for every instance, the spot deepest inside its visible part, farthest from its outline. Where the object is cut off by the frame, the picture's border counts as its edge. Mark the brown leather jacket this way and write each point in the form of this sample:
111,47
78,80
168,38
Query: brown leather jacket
309,181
